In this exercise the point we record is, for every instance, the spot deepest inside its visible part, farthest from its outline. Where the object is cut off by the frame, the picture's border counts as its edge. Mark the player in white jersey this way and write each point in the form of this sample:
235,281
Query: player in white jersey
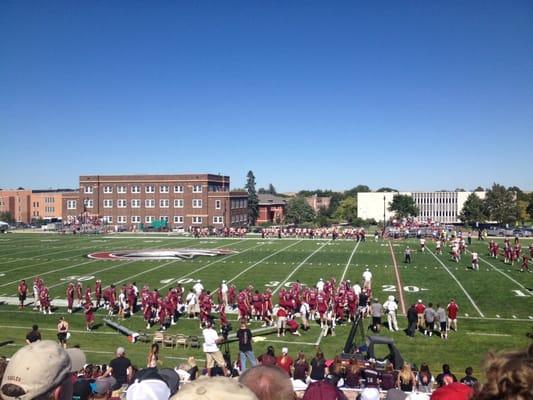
367,279
320,285
438,246
422,245
475,261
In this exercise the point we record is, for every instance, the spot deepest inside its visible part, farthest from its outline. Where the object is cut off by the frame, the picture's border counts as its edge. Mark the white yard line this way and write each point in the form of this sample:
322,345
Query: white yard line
299,266
55,330
259,262
486,334
458,283
506,275
349,261
398,280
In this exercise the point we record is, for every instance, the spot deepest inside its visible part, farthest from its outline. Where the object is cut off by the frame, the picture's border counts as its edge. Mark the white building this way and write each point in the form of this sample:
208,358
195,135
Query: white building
433,206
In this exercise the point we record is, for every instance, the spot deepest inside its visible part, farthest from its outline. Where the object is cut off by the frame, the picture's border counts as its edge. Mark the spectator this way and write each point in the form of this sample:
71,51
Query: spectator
219,388
424,379
391,307
244,334
369,394
376,309
412,319
153,356
268,383
301,367
212,352
193,368
269,358
119,368
318,367
148,384
34,335
455,391
37,371
285,361
509,376
406,379
469,379
446,376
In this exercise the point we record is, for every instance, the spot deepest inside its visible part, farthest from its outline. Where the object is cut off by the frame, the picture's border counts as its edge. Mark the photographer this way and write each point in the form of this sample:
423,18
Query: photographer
211,350
244,334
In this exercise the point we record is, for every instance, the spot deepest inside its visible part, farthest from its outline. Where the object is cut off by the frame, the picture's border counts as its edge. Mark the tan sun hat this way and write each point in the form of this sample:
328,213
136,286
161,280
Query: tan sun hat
219,388
35,370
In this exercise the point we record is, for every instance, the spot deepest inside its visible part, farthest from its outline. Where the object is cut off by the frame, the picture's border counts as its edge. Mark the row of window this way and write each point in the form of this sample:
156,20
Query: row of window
177,219
148,203
238,218
239,203
147,189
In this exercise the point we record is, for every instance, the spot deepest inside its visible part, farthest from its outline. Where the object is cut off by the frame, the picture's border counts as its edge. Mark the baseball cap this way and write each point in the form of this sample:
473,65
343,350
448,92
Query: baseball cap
285,350
148,389
219,388
77,359
34,370
453,391
370,394
171,378
420,300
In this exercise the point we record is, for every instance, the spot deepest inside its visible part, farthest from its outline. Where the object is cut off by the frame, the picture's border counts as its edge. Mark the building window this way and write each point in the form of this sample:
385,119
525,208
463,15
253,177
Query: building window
196,220
121,189
135,219
178,189
121,219
108,189
136,189
163,203
163,218
149,189
149,203
148,219
107,218
88,189
178,203
108,203
71,204
163,189
218,220
88,203
218,204
178,219
136,203
122,203
196,203
197,188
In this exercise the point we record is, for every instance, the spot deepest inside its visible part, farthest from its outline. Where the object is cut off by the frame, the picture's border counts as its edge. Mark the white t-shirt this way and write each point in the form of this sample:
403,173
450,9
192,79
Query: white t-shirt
224,288
422,241
320,285
198,287
190,299
357,289
391,306
210,340
367,276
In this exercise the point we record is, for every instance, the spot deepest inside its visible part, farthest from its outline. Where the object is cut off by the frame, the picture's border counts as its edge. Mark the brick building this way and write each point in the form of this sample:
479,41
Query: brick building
18,203
136,201
317,202
27,205
271,209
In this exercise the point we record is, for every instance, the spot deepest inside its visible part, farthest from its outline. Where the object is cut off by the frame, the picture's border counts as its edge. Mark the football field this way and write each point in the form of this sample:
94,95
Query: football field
495,303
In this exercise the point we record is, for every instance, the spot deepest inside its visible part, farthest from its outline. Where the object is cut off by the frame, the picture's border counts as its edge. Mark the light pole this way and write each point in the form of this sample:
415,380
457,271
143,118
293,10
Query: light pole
384,208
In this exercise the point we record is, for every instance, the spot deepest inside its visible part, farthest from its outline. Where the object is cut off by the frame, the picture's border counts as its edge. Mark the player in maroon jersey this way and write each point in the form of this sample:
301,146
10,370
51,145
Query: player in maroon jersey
148,315
453,311
257,303
22,291
222,315
89,315
162,314
79,293
322,307
44,298
98,292
243,306
525,264
353,301
88,295
70,297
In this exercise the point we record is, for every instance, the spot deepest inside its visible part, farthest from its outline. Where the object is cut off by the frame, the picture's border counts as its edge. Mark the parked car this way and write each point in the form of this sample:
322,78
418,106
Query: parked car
522,232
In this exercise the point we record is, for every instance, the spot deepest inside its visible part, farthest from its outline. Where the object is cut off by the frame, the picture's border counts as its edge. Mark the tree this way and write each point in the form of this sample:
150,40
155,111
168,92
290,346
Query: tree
386,189
479,189
7,216
253,201
272,189
298,211
403,206
357,189
347,210
473,210
521,211
501,204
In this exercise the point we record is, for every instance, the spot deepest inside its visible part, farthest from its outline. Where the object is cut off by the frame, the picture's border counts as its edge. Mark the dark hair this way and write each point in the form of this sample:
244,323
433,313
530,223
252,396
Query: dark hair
469,371
270,351
445,368
35,327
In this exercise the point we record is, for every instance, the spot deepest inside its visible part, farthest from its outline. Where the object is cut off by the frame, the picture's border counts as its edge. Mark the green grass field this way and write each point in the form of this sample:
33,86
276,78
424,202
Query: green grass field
496,305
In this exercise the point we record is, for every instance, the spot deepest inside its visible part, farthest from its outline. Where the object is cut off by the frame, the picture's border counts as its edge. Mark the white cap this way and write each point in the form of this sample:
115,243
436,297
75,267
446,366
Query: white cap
285,350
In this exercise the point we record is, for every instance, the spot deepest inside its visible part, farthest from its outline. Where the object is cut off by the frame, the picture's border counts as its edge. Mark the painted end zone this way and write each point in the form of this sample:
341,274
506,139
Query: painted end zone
170,254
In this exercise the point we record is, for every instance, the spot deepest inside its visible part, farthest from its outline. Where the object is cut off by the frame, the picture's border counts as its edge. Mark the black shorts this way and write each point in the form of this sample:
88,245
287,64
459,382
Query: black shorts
62,336
443,326
376,320
22,297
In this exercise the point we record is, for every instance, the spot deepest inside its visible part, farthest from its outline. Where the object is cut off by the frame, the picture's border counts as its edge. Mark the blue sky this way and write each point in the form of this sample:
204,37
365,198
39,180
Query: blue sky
308,94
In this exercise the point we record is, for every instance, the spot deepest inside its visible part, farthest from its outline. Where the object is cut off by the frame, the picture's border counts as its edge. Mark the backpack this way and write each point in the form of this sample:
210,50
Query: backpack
322,390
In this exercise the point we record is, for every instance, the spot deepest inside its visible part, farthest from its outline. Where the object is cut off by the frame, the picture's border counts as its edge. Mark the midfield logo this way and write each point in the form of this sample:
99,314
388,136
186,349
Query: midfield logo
177,254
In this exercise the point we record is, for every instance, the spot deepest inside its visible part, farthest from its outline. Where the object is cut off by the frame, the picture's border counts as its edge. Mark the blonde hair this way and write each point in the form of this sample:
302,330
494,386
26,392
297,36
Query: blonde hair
406,373
509,376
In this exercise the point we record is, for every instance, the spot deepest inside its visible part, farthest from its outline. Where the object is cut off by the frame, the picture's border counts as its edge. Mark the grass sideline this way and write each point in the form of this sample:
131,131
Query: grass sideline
498,291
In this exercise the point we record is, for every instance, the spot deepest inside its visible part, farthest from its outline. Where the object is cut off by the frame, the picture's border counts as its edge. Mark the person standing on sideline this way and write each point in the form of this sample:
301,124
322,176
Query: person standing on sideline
119,368
22,292
429,317
420,308
153,356
244,334
407,254
367,279
441,315
212,352
62,332
391,307
453,310
412,319
376,310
